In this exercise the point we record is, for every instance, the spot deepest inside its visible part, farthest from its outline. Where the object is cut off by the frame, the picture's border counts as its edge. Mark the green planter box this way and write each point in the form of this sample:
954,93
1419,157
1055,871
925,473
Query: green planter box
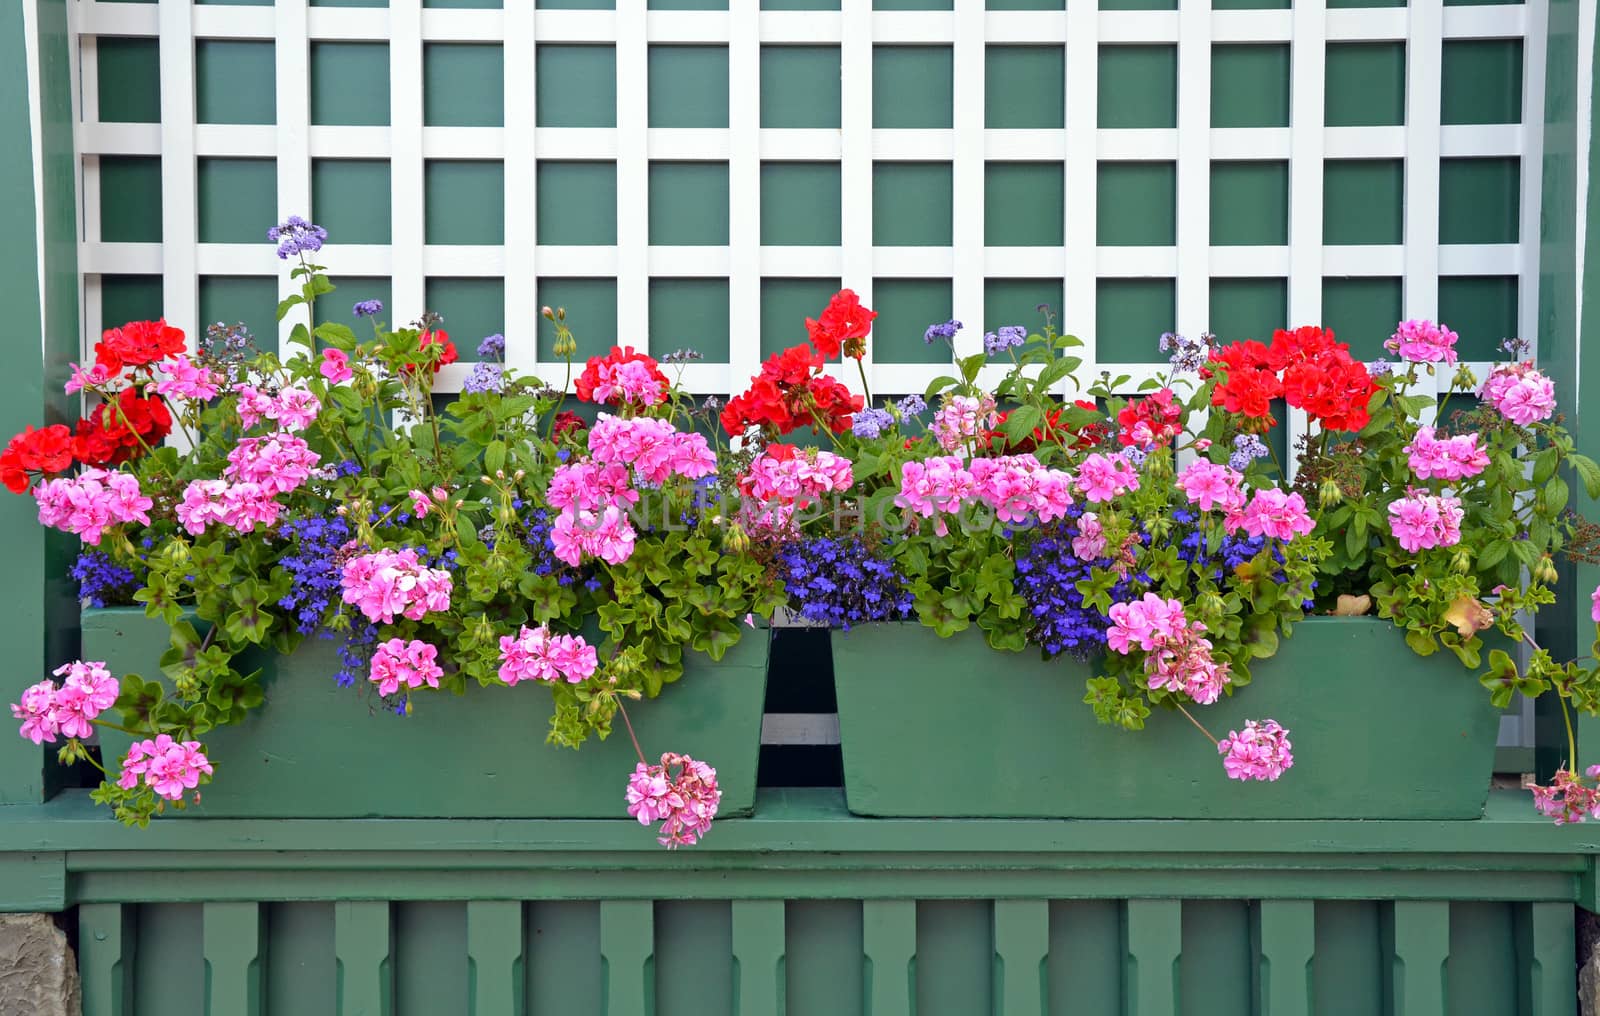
951,728
316,750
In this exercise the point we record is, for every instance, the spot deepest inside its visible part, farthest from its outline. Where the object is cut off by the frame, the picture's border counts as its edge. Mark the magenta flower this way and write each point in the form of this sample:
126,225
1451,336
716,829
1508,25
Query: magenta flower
960,418
1178,656
1019,489
278,463
87,691
390,583
680,793
1451,458
537,655
1594,605
1568,799
1272,512
1102,477
586,486
186,380
37,711
81,379
1209,486
1520,393
335,366
606,534
253,406
87,504
1147,623
168,767
397,664
1421,521
1422,341
654,449
295,408
1261,752
1090,543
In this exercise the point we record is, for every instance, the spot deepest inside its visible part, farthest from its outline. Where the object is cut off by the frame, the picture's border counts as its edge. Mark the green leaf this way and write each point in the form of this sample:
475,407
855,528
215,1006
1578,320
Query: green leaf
1544,466
289,303
1556,495
1588,472
1057,370
1493,554
1413,405
938,385
336,335
1022,422
970,365
494,457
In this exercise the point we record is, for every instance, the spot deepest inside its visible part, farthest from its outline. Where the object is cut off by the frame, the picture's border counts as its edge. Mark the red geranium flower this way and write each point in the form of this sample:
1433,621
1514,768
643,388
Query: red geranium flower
137,344
1081,438
623,375
1251,382
791,391
1320,377
35,451
568,422
1152,421
845,323
113,434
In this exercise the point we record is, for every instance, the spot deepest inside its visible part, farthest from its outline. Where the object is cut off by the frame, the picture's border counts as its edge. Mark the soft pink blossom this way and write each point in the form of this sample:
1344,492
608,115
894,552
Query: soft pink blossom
1209,485
1567,799
634,381
335,366
201,505
93,377
1272,512
1019,489
934,487
37,711
1421,521
167,767
88,689
1260,752
1178,656
1090,543
535,654
387,584
409,664
654,449
960,418
1451,458
295,408
606,534
680,793
1421,341
92,501
278,463
1102,477
1520,393
1145,623
587,486
253,406
1594,605
186,380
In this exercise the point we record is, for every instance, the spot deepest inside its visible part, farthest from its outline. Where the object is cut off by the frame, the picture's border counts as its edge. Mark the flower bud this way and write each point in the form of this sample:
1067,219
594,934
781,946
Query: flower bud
565,344
1329,494
736,540
1545,571
1461,561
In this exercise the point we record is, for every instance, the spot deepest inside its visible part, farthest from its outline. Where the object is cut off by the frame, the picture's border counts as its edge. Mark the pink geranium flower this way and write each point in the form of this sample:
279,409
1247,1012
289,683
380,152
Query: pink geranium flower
535,654
1260,752
409,664
1422,341
1272,512
335,366
1451,458
680,793
1421,521
1102,477
1209,485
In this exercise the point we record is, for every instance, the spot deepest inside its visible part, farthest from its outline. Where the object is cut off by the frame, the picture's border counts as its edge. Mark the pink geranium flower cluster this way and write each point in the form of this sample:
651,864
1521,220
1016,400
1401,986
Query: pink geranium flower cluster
335,366
409,665
1594,605
90,502
655,449
259,470
1272,512
167,767
1102,477
86,691
1260,752
278,463
680,793
588,486
1178,656
186,380
387,584
1210,485
1421,341
606,534
1568,799
1018,488
534,654
1421,521
784,479
1090,543
1520,393
636,381
1451,458
294,408
960,418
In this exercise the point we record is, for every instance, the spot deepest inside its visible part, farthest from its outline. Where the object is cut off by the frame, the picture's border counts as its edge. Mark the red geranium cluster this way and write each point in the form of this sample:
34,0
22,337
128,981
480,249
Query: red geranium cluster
121,429
137,344
1305,367
623,376
35,451
844,325
790,392
436,337
1077,439
1151,422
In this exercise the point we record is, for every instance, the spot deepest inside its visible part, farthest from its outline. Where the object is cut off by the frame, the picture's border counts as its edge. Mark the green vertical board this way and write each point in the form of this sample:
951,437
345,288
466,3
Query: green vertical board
130,199
1362,312
1153,943
800,86
472,309
1363,201
1416,934
800,204
890,939
823,958
688,86
129,79
1481,971
577,203
350,83
1249,204
1283,936
463,85
912,204
169,973
576,86
690,314
1018,302
125,298
688,204
785,305
1545,947
1365,84
495,958
465,201
350,198
693,958
107,944
1136,204
363,944
1024,87
906,307
591,306
563,956
1248,308
1084,968
1024,204
627,948
1479,200
1249,86
1347,968
237,199
913,87
301,972
1138,86
430,958
1130,317
1217,965
234,944
1482,309
1482,81
250,299
757,945
1021,945
219,67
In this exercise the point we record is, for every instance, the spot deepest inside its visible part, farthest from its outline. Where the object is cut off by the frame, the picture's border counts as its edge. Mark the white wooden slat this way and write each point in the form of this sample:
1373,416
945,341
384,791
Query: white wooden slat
1193,269
858,147
968,176
633,169
293,74
521,211
1081,177
179,285
408,284
1423,95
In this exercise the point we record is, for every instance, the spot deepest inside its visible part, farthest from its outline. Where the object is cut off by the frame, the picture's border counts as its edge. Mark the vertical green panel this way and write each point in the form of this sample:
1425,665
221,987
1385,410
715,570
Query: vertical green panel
913,86
1347,971
824,951
169,971
1545,943
219,68
1366,84
800,86
363,943
626,945
463,85
1418,937
1479,200
494,958
1361,312
757,944
785,305
302,971
1249,203
125,298
250,299
576,86
1027,5
1136,204
591,306
1084,969
1216,967
693,958
1482,309
688,86
430,959
1249,86
564,969
1248,308
1138,5
107,944
471,308
906,307
689,203
800,204
955,957
890,936
1481,972
1138,86
1021,945
237,199
1356,4
1363,201
235,939
1130,316
465,201
690,314
129,80
350,83
1154,939
1017,302
912,204
1482,81
1024,204
577,203
1249,5
1024,87
1284,936
350,198
799,5
130,199
339,305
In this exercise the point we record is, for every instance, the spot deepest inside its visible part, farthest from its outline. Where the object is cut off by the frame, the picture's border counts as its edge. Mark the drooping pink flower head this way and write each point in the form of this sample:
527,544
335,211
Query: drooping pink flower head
1520,393
1019,489
295,408
335,366
1102,477
390,583
1090,543
1451,458
87,504
1275,513
1210,485
1422,521
1594,605
537,655
400,664
680,793
86,691
1145,623
37,711
607,534
1260,752
1568,799
1421,341
1178,656
253,405
167,767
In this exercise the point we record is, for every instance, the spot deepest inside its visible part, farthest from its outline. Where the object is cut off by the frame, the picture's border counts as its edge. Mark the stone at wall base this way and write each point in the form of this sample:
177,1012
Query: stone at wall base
38,974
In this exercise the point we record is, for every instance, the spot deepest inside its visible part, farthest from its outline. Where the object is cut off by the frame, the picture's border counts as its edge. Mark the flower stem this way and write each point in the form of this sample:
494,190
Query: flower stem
631,735
866,391
117,726
1572,747
1191,719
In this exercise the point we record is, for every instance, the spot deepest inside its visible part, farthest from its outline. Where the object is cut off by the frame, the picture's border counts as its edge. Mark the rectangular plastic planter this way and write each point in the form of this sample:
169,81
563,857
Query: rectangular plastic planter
950,728
315,750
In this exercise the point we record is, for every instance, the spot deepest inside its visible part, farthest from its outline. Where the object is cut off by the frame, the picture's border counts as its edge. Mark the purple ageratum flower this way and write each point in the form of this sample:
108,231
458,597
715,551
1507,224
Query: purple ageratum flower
1246,449
368,308
492,348
295,236
946,331
1380,368
485,377
1003,338
1188,355
681,356
870,423
911,405
1516,348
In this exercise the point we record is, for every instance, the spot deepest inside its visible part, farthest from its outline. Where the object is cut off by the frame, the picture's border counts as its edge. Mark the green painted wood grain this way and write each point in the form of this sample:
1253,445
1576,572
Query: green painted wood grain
1416,934
824,958
627,945
566,973
1284,936
1084,968
758,944
107,944
889,940
955,960
302,971
364,946
1153,944
169,968
1022,949
234,941
1545,944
